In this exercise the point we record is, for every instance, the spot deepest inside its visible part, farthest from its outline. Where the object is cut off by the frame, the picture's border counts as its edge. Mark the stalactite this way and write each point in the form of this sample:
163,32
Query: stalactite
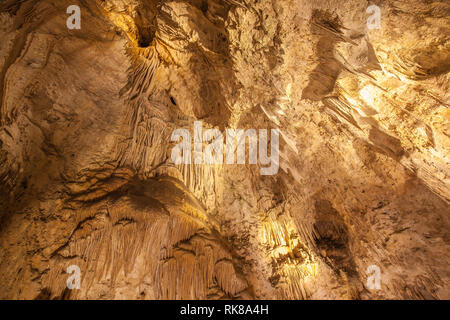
292,261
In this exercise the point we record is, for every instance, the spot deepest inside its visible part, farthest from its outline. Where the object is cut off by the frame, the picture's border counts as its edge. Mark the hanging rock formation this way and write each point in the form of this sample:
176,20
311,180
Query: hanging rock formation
87,178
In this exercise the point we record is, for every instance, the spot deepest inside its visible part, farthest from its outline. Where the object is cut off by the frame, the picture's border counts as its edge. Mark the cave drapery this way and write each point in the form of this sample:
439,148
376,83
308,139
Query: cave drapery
86,177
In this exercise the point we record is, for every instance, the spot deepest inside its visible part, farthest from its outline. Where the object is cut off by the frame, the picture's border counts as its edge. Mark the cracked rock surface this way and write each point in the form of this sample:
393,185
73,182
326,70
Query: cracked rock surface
86,176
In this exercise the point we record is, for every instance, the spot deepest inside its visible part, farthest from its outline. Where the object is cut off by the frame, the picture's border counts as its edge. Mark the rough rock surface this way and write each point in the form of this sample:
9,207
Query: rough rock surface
86,177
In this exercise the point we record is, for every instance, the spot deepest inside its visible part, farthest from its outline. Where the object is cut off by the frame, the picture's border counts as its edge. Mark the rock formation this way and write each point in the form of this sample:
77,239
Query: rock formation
87,178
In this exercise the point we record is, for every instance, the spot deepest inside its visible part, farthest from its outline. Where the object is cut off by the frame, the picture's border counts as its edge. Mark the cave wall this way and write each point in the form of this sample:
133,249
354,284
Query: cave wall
86,176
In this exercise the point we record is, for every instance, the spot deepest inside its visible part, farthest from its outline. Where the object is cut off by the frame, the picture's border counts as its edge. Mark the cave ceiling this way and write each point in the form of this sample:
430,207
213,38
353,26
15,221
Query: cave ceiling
358,113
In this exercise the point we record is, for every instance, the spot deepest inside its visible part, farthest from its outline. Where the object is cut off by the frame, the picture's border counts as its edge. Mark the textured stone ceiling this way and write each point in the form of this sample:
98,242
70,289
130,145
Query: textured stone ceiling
86,177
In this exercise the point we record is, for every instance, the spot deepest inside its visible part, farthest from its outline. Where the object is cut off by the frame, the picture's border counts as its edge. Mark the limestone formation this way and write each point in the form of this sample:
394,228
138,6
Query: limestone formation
87,178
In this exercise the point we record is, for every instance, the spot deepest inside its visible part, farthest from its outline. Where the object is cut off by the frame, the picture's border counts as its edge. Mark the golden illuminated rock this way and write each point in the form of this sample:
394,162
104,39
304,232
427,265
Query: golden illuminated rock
87,178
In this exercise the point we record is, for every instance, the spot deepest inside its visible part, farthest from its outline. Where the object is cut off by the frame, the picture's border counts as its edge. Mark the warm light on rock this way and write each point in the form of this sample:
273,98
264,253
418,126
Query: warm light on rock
224,149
